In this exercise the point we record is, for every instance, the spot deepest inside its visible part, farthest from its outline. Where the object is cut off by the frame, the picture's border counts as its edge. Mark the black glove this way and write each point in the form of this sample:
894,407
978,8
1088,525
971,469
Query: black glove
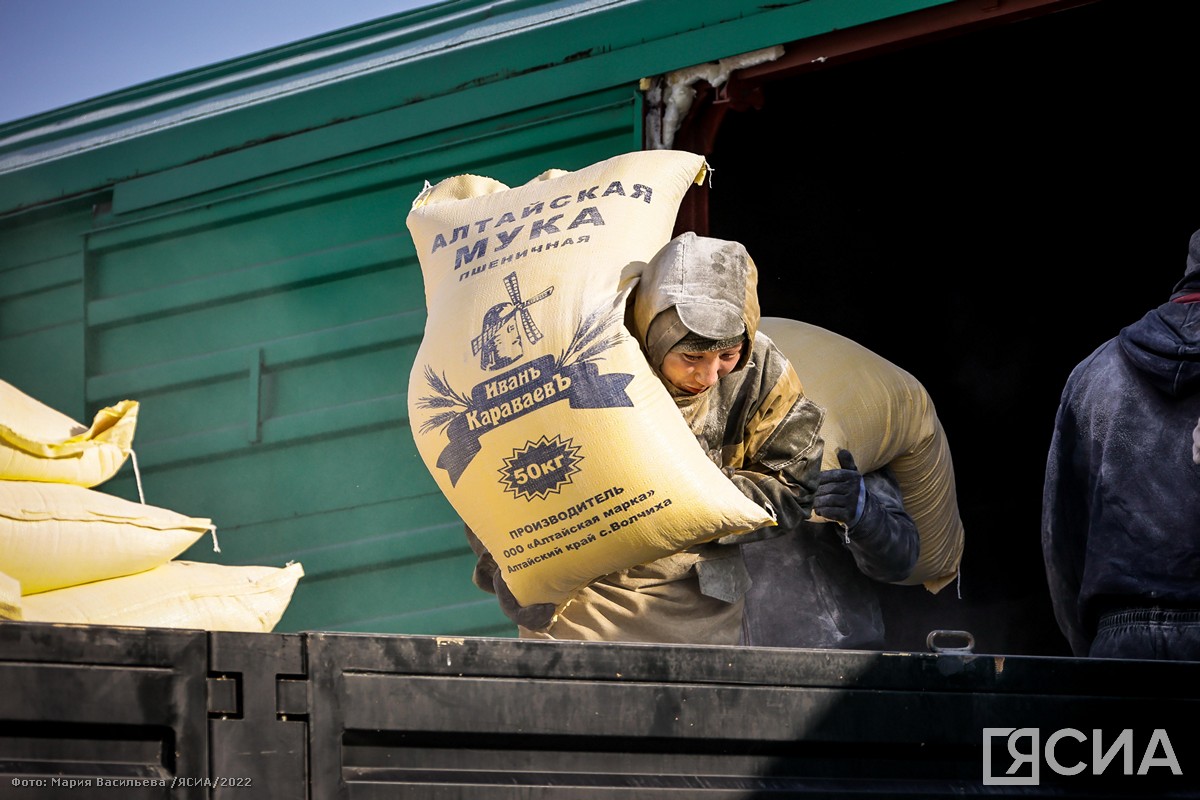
840,492
534,617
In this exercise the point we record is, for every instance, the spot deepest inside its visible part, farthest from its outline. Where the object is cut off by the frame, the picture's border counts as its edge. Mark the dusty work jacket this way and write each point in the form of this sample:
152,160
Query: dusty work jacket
755,423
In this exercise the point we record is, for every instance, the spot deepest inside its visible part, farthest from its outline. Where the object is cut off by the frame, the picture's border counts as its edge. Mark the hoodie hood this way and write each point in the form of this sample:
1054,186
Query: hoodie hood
696,285
1190,282
1165,344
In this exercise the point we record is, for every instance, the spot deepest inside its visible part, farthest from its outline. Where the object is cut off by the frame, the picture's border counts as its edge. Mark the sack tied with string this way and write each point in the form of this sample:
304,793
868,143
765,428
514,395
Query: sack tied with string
38,443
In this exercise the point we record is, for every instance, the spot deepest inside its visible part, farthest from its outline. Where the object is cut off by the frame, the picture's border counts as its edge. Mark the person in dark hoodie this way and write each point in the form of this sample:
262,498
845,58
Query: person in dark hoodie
1121,502
695,312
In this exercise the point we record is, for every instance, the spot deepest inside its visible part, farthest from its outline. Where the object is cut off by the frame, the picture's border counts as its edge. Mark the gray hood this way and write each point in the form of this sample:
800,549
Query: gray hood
699,285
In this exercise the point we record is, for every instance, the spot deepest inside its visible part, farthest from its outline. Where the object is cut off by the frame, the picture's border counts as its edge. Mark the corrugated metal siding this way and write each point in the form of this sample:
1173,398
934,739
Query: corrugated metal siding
268,336
41,307
404,76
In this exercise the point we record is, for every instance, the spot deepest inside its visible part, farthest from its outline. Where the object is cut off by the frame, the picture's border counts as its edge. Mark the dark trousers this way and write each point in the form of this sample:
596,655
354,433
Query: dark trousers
1148,633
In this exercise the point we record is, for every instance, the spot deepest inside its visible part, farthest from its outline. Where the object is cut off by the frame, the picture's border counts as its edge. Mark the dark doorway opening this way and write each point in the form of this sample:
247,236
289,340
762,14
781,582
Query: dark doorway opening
983,210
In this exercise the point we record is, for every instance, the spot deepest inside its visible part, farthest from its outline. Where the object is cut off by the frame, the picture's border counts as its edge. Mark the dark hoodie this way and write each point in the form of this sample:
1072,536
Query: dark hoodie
1121,504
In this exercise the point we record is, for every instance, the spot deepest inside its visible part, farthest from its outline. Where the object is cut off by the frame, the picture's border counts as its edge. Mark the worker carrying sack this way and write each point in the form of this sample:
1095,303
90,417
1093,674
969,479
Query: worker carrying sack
530,404
884,416
38,443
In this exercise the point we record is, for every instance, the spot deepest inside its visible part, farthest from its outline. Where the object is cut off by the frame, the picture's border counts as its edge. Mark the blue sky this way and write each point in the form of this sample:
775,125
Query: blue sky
57,52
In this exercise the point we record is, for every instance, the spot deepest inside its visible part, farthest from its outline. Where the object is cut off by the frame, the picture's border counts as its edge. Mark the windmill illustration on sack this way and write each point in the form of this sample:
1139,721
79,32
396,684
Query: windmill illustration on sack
507,327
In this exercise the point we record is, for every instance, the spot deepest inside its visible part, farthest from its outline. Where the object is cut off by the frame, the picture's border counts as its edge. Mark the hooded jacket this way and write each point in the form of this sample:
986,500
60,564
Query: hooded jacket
755,423
804,583
1121,502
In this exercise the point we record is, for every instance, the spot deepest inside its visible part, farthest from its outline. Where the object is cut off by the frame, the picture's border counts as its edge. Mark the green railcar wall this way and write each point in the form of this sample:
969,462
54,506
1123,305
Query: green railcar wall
269,336
247,276
41,305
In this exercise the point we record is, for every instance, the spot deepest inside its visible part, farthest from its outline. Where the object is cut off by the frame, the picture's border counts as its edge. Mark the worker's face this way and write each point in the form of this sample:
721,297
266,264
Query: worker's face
697,372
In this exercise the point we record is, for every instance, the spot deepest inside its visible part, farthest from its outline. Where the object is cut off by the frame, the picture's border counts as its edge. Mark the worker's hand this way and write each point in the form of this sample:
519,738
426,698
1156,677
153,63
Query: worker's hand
841,493
534,617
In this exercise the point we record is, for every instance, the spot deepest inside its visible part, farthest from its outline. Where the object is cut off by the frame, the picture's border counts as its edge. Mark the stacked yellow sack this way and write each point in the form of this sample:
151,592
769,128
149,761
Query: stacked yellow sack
54,535
38,443
884,416
69,553
178,594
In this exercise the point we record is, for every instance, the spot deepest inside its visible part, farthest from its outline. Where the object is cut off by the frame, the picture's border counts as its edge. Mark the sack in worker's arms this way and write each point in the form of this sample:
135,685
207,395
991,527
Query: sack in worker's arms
531,405
884,416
